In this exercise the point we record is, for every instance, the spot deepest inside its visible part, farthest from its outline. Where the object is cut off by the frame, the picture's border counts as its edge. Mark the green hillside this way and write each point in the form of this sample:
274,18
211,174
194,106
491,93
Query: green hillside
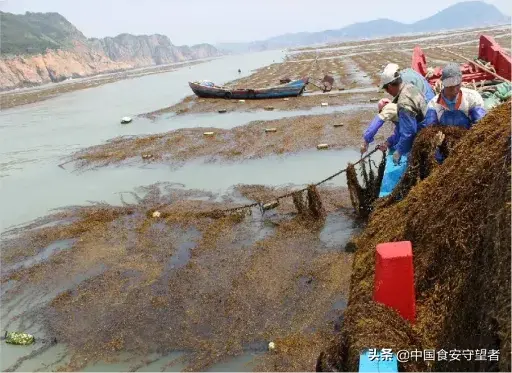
33,33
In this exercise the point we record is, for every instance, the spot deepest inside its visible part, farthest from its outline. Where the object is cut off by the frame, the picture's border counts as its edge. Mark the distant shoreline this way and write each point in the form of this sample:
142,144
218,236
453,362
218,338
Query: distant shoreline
22,96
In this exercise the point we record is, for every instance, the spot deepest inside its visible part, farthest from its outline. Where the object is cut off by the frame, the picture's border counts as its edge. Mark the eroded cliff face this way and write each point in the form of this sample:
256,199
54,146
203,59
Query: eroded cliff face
96,56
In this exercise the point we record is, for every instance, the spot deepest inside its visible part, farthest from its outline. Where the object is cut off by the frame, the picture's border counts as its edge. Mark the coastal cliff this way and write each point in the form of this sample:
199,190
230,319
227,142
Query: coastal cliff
39,48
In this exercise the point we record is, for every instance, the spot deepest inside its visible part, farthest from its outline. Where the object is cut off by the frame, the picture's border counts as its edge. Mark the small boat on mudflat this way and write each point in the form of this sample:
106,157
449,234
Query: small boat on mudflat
207,89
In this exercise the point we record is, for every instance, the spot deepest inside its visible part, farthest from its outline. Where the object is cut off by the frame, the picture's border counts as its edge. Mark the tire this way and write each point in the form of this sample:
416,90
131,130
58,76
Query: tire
228,95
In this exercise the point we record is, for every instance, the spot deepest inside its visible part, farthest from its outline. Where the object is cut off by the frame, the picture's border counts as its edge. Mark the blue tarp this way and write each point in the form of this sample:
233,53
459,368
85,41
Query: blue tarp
378,363
392,174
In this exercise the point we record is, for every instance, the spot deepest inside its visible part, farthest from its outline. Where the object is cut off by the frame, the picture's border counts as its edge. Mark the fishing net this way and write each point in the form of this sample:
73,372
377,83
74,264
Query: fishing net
458,220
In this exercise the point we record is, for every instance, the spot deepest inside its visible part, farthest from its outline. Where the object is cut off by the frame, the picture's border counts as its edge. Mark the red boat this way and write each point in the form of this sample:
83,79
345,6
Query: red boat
490,54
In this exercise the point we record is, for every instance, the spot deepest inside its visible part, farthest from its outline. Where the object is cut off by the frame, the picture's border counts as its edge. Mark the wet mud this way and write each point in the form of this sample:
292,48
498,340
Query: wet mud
254,140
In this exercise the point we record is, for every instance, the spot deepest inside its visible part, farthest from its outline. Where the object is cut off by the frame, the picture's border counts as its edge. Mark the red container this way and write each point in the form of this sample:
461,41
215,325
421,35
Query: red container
394,278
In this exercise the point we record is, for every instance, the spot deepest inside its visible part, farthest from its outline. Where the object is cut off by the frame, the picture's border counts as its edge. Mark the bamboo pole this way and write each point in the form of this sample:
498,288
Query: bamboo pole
476,64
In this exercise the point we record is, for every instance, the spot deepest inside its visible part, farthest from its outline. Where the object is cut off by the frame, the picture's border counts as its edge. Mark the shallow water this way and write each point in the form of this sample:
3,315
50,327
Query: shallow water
47,186
236,118
43,255
34,137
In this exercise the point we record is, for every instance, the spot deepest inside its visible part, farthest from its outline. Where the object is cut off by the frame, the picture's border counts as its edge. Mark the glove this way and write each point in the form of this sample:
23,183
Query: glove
439,138
383,147
364,148
396,157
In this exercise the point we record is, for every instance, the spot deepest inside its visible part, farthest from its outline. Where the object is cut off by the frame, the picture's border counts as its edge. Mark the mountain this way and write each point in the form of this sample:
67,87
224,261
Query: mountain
466,14
39,48
35,32
461,15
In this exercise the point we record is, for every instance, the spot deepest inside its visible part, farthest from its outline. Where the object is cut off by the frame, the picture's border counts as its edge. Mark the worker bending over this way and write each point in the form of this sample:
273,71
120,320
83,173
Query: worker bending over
390,113
411,110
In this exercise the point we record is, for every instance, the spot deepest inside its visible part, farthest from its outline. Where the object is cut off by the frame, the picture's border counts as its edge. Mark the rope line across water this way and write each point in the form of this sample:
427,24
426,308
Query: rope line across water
300,190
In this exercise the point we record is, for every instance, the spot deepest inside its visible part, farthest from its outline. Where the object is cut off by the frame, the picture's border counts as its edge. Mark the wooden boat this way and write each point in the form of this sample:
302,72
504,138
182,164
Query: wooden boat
291,89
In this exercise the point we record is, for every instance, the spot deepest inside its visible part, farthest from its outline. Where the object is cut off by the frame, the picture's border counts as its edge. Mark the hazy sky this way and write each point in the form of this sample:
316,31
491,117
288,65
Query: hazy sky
214,21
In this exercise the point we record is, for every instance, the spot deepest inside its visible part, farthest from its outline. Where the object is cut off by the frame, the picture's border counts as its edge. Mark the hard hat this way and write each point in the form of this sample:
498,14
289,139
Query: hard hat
389,74
383,102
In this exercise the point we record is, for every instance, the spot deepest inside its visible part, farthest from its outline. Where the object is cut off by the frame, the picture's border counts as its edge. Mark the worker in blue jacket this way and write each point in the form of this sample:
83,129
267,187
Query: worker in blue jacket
454,106
411,107
407,77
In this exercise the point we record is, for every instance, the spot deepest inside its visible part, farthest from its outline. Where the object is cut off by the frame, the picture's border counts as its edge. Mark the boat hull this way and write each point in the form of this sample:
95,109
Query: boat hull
292,89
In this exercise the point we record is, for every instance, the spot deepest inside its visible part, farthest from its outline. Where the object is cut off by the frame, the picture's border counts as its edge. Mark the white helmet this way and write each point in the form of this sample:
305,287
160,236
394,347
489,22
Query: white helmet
389,74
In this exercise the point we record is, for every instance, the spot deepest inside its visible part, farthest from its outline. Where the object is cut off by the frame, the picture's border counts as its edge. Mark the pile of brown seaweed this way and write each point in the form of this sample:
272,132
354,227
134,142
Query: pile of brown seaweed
458,220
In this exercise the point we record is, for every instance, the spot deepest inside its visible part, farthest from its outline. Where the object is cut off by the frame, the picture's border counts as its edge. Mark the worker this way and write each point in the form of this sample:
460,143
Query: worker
415,78
408,76
411,109
454,106
387,112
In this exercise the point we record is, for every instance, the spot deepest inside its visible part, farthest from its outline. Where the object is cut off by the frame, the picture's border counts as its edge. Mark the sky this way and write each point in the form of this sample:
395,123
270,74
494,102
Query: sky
215,21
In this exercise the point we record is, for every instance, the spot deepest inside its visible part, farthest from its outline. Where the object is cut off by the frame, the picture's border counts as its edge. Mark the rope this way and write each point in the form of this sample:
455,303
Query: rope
300,190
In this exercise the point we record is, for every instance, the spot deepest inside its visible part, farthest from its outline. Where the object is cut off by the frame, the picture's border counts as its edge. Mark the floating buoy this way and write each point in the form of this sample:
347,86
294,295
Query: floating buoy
222,111
322,146
125,120
325,104
270,129
269,108
156,214
209,133
241,101
338,125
